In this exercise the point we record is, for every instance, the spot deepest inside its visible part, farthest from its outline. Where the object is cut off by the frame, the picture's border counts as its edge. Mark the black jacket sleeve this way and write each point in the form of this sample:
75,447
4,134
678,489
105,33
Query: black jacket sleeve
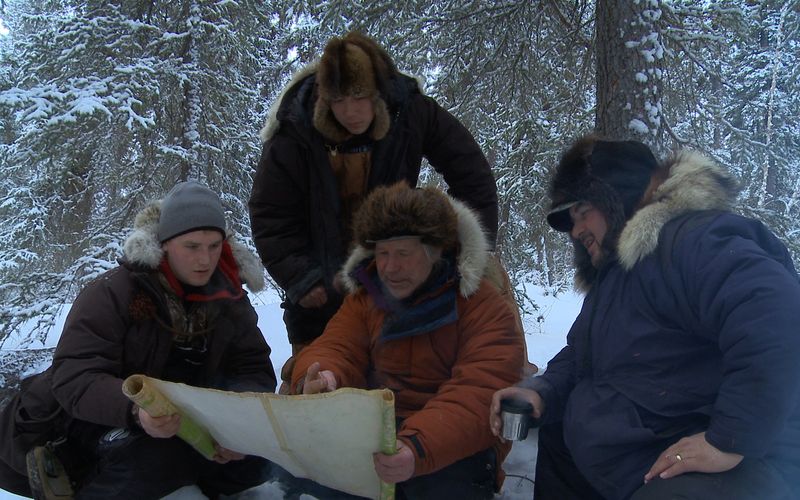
452,151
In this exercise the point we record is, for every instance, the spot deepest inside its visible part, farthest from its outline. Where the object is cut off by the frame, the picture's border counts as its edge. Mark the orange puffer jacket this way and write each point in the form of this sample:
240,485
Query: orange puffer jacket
443,380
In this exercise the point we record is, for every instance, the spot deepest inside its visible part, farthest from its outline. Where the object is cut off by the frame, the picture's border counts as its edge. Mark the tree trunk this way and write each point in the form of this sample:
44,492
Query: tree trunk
629,54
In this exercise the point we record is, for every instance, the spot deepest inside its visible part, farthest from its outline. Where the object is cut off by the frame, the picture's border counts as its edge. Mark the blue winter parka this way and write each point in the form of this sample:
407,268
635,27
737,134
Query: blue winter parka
706,340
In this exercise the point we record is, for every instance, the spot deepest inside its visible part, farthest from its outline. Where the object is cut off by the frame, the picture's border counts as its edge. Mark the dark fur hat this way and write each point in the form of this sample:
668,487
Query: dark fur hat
353,65
611,175
398,210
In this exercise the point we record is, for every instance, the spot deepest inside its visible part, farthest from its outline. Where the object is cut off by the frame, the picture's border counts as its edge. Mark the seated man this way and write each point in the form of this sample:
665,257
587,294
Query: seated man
173,309
680,378
421,320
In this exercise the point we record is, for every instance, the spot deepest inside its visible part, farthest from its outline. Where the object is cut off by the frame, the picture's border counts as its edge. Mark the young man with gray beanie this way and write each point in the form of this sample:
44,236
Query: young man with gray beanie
680,376
173,309
190,206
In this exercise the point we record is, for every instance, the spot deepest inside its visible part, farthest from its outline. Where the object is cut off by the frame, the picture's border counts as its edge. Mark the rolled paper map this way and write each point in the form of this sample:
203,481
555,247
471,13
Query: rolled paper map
140,390
388,439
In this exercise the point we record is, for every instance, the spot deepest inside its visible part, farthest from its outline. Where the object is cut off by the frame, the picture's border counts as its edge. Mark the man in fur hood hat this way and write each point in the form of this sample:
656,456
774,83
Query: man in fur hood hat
173,309
342,127
422,320
680,376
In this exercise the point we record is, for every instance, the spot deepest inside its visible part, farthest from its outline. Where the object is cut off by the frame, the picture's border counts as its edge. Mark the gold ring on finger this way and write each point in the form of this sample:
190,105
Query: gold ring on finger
678,457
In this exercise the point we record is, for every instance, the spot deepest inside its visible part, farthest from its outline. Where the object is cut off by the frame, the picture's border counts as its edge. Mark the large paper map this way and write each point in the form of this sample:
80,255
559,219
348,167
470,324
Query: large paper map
329,437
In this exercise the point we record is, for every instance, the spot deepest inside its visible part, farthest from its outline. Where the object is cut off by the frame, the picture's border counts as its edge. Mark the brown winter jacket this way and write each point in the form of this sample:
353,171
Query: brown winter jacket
114,330
295,211
443,380
118,326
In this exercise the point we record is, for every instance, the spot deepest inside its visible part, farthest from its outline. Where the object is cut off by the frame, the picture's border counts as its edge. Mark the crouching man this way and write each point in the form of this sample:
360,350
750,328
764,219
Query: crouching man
421,319
173,309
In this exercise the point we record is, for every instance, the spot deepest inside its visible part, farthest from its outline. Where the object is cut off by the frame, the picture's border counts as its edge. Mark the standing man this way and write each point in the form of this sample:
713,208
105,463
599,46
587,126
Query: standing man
680,378
173,309
344,126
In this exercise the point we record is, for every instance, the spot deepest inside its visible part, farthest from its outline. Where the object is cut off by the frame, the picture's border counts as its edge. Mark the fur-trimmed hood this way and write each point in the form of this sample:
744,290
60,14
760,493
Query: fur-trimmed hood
273,122
694,182
142,248
471,261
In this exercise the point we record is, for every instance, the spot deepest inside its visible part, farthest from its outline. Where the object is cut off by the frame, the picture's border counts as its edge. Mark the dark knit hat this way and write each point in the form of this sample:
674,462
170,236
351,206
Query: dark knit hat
399,211
187,207
611,175
355,66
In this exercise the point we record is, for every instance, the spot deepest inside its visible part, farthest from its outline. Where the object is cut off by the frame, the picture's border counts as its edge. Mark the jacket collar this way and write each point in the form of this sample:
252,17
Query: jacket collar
694,182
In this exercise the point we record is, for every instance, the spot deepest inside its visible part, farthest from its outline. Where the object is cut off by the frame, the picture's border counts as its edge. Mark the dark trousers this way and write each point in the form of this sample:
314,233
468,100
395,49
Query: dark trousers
470,478
304,325
557,477
750,480
137,466
13,481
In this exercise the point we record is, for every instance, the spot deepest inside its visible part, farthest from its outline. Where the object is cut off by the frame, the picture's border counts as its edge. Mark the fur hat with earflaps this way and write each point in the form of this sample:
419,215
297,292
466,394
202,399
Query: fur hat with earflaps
611,175
400,211
355,66
393,212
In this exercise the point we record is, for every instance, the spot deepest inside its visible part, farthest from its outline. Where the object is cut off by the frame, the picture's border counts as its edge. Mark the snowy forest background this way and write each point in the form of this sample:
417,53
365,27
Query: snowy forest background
105,105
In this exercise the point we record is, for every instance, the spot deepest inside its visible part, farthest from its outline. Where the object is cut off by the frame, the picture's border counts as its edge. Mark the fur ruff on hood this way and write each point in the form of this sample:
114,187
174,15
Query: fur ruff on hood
694,182
472,259
142,248
272,123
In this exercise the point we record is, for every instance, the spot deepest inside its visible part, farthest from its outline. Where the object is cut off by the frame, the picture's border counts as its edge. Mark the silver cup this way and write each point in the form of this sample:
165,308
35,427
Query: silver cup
517,418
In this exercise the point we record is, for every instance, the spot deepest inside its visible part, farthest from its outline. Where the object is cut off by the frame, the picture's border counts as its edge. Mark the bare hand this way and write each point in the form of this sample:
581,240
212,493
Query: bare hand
315,298
318,381
518,393
224,455
159,427
395,468
692,454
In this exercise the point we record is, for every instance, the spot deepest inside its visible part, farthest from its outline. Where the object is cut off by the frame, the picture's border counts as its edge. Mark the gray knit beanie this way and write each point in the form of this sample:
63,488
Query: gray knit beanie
190,206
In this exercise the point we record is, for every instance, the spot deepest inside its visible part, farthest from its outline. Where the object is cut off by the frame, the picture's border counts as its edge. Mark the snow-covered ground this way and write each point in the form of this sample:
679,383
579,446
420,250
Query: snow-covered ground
545,335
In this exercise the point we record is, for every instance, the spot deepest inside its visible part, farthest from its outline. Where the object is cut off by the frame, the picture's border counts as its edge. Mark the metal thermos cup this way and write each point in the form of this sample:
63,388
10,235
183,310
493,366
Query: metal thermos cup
517,419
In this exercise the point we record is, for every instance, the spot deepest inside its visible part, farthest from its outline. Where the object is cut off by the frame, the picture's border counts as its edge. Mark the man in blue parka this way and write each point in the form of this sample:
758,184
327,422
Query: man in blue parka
681,374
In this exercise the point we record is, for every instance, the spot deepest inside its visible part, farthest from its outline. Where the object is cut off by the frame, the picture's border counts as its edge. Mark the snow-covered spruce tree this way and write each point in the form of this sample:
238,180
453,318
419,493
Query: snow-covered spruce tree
114,103
721,78
731,89
763,117
517,75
